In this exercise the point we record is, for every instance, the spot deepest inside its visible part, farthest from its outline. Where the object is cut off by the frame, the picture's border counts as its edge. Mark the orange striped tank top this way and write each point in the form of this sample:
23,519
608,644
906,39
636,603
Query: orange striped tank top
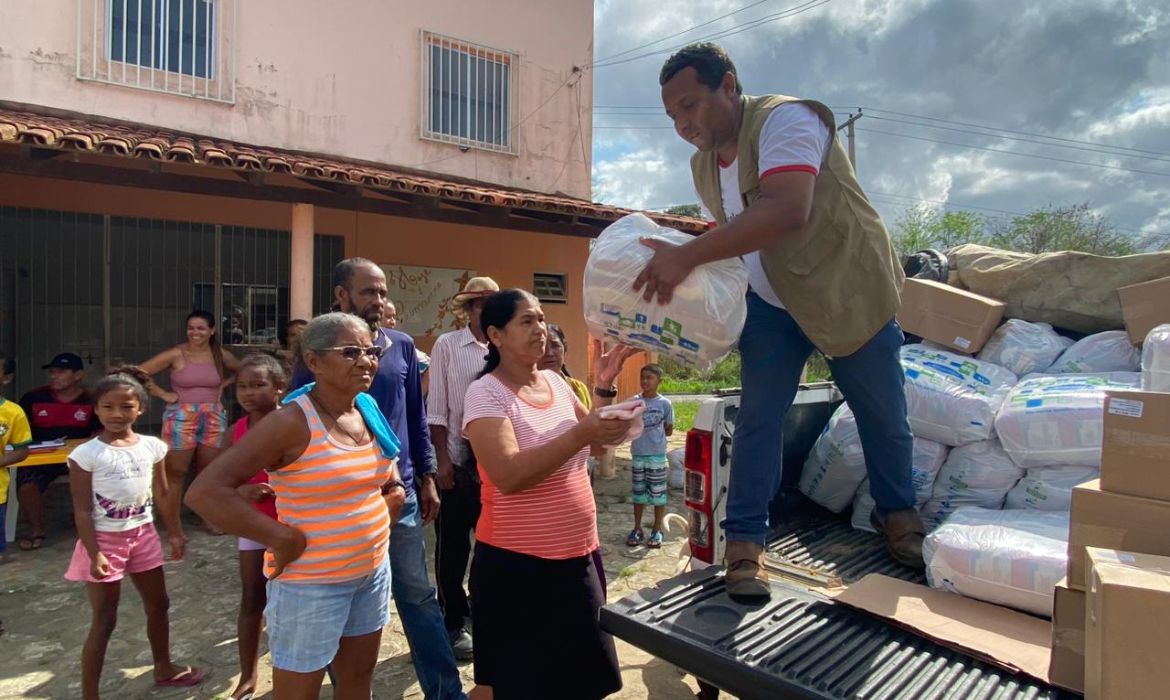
333,494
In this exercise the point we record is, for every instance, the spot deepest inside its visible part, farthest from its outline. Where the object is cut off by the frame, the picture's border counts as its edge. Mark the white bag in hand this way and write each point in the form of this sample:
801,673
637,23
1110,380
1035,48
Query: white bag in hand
1156,359
1048,488
1023,347
952,398
1007,557
979,474
1058,418
1110,351
703,319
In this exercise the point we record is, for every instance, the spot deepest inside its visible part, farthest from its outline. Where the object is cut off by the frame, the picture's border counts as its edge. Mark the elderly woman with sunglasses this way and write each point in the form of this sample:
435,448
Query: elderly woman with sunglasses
333,472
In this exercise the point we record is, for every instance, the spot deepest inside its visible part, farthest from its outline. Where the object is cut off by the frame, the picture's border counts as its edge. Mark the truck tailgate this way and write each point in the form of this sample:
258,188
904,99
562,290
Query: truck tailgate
801,645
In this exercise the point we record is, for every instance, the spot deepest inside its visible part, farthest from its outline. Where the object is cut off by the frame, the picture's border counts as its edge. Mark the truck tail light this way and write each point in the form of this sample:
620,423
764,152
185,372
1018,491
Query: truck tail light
698,494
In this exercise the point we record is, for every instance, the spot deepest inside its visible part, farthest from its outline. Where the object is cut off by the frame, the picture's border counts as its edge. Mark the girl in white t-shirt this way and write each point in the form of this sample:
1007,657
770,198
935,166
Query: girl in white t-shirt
114,478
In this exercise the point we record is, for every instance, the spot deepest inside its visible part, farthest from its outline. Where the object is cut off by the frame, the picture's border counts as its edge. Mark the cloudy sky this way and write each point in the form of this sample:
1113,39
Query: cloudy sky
1039,102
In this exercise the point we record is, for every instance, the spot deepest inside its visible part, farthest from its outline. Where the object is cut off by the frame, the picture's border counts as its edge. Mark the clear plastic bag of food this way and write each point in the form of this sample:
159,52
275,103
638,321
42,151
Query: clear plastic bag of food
701,323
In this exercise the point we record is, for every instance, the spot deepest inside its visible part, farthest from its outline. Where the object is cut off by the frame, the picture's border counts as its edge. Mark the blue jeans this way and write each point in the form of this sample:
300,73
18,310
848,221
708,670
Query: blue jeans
422,619
774,351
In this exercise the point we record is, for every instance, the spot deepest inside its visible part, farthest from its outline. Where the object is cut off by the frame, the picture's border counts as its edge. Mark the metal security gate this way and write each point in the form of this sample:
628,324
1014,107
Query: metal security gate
117,289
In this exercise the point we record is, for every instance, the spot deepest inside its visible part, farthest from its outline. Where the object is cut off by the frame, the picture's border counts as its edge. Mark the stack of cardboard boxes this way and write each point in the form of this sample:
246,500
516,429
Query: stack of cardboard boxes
1111,619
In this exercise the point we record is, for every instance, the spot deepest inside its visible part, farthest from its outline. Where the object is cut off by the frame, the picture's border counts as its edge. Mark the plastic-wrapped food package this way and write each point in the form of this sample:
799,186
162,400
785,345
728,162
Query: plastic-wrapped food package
1110,351
676,475
951,398
979,474
1156,359
928,460
1048,488
1023,347
836,465
1007,557
1058,418
703,319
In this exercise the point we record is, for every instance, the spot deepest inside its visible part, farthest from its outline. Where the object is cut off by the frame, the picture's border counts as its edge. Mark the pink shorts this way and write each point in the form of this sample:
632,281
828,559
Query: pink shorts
129,552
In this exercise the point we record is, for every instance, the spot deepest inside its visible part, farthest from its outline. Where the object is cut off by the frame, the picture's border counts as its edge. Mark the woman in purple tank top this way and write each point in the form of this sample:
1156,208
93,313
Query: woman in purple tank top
194,421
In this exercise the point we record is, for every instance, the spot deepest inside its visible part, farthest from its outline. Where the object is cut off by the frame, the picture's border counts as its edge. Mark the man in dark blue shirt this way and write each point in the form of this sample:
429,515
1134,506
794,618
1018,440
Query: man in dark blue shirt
359,288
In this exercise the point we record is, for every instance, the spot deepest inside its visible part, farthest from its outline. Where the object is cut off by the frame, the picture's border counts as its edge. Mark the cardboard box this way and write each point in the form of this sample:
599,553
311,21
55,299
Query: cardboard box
1005,638
1114,521
1135,449
1127,626
1144,306
1067,667
948,315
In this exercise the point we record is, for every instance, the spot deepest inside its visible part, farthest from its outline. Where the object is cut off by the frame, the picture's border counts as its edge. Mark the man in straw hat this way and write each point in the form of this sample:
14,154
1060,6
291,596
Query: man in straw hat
456,360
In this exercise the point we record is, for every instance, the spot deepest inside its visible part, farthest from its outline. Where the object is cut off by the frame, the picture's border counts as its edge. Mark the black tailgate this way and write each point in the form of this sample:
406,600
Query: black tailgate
800,645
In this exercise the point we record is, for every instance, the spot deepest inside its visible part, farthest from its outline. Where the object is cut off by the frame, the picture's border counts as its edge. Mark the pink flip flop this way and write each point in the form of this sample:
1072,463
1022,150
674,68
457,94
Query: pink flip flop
186,678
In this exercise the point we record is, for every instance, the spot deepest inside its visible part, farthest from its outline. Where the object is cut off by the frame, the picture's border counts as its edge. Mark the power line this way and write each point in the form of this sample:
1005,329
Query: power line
685,31
1014,153
1017,138
730,31
1020,133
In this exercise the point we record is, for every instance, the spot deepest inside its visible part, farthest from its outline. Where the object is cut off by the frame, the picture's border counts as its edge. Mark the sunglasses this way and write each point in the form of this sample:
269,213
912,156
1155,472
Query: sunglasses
353,352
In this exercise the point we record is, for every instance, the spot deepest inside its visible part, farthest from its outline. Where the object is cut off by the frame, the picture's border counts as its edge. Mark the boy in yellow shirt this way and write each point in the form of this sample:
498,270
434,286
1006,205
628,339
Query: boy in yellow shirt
14,433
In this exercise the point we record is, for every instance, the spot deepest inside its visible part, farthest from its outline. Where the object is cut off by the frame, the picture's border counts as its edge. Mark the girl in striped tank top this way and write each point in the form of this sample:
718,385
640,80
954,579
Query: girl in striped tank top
337,495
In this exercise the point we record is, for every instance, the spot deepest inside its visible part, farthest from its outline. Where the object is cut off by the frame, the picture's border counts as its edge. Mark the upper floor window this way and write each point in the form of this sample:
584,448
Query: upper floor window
182,47
172,35
468,93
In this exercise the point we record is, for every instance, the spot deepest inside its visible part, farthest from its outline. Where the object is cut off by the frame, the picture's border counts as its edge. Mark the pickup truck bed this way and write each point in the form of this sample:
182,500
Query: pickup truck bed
801,645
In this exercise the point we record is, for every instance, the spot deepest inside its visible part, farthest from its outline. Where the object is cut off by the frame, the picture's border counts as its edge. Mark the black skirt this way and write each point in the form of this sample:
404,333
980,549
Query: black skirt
536,628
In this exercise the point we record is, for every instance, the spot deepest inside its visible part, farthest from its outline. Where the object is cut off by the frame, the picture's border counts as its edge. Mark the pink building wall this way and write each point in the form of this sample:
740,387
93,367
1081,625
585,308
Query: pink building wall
342,78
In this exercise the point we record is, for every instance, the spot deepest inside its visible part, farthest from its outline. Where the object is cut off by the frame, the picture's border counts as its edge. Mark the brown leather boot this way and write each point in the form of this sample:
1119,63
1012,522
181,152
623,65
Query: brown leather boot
904,532
746,576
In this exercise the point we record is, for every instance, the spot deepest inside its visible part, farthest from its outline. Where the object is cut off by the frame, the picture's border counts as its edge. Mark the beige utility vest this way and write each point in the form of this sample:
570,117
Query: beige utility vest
838,275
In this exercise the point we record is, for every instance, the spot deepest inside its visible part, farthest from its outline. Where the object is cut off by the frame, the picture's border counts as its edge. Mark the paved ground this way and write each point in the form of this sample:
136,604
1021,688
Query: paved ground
46,618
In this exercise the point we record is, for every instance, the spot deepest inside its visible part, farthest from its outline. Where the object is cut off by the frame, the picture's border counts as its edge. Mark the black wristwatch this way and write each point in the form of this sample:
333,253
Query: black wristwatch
393,484
605,393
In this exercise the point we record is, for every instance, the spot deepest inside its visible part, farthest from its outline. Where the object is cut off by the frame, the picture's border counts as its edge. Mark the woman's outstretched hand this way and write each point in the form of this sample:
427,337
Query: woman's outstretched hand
607,364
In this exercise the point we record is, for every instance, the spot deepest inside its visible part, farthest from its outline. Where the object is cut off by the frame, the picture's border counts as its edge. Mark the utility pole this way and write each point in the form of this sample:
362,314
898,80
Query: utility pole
848,127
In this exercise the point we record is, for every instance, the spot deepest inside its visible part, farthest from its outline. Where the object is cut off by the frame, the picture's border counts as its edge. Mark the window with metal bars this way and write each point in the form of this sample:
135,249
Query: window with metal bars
550,287
468,93
180,47
171,35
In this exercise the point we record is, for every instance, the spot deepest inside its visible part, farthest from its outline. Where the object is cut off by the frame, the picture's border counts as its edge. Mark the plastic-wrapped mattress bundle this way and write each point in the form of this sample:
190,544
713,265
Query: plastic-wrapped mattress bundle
1023,347
951,398
928,460
1110,351
1058,418
1156,359
1007,557
979,474
1048,488
703,319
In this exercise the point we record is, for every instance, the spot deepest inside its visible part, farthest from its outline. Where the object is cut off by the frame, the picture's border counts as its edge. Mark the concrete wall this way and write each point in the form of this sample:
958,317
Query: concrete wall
342,79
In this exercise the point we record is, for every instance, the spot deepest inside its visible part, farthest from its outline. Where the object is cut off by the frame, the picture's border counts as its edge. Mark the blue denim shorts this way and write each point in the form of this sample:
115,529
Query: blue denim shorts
306,621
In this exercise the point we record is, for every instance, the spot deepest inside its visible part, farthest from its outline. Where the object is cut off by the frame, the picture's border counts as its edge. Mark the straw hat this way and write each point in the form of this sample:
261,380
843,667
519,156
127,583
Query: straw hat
476,288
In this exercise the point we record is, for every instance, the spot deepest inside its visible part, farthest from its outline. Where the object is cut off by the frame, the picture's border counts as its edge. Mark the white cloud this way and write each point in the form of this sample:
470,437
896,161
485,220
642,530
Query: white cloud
1089,70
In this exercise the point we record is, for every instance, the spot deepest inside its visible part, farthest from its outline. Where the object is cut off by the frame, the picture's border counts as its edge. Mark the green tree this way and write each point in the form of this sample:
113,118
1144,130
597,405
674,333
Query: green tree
693,210
924,227
1051,229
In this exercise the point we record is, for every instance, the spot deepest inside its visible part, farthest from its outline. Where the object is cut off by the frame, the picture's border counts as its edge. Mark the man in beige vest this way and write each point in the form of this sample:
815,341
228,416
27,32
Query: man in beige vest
823,275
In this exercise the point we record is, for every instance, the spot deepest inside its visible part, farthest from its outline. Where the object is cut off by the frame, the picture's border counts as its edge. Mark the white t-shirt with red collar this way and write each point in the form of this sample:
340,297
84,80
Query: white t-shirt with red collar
793,139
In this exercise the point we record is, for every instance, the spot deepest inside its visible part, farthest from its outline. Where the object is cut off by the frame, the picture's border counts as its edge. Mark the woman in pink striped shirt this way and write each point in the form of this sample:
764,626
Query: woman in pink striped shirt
535,589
